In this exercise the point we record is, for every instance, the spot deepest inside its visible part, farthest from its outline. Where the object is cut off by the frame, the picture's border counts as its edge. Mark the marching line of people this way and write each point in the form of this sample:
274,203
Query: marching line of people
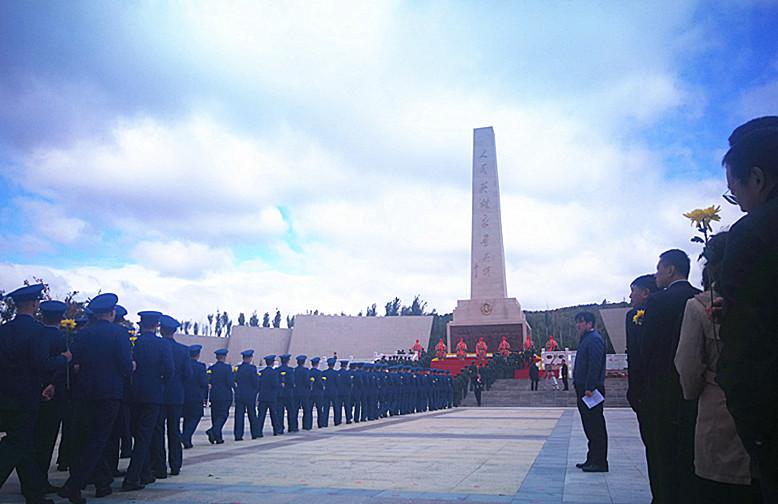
109,394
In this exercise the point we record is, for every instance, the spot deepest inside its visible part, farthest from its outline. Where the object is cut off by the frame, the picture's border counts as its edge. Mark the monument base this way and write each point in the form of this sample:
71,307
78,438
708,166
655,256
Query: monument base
491,319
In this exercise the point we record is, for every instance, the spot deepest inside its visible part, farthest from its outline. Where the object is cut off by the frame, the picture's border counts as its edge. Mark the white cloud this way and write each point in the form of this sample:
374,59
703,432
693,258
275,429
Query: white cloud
181,259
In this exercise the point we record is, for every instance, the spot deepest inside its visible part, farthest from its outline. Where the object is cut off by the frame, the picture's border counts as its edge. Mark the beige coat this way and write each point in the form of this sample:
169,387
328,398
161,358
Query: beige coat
718,453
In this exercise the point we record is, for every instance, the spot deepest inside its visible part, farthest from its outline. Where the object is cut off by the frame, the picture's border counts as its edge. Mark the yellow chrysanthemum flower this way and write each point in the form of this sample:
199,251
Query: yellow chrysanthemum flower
638,318
67,324
702,217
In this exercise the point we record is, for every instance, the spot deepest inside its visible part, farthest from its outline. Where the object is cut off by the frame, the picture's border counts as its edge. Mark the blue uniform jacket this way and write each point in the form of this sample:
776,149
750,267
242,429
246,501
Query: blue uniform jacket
317,385
302,382
153,368
103,356
330,379
24,358
269,384
196,388
57,377
221,380
174,388
589,370
286,376
246,384
344,382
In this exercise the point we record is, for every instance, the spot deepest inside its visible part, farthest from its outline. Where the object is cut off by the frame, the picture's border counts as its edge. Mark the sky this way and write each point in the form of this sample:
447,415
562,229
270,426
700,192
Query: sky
241,156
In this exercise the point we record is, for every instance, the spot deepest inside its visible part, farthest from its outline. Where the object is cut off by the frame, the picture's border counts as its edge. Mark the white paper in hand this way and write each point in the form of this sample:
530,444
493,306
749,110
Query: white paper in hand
594,400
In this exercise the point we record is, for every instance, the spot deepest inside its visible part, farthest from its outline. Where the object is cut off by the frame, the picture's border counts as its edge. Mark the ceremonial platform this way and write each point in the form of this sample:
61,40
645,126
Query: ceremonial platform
474,455
454,364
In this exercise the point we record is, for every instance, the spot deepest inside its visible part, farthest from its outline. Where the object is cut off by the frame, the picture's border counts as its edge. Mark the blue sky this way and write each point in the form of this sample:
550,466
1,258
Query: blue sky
248,155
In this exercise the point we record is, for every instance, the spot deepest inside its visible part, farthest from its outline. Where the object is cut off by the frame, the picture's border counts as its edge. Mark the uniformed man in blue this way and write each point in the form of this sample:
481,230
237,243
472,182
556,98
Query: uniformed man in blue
170,417
24,357
330,379
123,428
269,386
357,392
302,392
372,392
154,367
102,355
344,391
317,392
286,395
246,390
221,381
195,396
51,410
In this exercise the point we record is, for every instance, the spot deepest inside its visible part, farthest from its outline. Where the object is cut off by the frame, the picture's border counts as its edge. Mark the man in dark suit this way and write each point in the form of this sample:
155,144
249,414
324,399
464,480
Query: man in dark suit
170,418
286,395
640,289
330,379
748,310
153,369
24,357
195,396
317,391
102,356
302,391
669,437
345,379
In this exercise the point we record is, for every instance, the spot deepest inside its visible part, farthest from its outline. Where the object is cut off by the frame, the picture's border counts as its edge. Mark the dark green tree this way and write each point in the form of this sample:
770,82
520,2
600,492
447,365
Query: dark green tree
393,307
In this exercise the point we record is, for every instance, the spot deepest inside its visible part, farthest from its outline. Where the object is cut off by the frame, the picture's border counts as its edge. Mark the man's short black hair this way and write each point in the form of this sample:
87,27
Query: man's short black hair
677,258
754,143
585,316
645,282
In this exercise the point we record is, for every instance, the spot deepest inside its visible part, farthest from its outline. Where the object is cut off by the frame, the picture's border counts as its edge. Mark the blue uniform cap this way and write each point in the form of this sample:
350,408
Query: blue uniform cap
195,349
331,361
121,311
221,351
53,307
169,322
315,360
247,353
344,363
285,357
149,316
103,302
27,293
270,358
301,358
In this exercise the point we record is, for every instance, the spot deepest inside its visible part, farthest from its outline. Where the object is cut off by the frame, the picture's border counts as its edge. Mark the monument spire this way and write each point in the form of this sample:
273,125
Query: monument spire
487,254
489,313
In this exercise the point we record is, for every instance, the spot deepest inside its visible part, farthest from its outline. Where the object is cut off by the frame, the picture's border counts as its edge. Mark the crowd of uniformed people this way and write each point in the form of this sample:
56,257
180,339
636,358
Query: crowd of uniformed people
108,392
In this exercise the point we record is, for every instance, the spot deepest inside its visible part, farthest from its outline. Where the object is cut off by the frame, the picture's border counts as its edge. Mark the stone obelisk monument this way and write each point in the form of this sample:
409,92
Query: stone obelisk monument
489,313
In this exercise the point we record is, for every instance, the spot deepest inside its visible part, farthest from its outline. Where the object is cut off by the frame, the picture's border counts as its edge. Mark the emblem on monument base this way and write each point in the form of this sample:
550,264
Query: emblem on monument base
486,309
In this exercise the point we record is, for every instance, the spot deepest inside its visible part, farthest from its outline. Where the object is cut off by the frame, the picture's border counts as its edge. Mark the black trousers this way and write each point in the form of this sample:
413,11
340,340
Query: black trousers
168,425
220,411
46,430
565,383
124,429
93,461
192,413
288,406
304,403
533,384
343,407
359,407
317,403
243,409
593,421
270,407
329,403
16,452
145,419
669,440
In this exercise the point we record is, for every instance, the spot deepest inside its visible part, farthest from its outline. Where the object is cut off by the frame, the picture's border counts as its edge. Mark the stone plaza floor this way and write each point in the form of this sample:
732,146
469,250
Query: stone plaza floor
488,455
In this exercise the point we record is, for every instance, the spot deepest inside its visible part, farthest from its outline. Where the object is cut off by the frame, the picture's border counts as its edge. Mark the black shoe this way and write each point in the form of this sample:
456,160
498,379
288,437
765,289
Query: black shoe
581,464
160,475
257,437
211,437
238,439
103,492
595,468
73,496
348,422
219,441
147,481
188,445
175,472
131,487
